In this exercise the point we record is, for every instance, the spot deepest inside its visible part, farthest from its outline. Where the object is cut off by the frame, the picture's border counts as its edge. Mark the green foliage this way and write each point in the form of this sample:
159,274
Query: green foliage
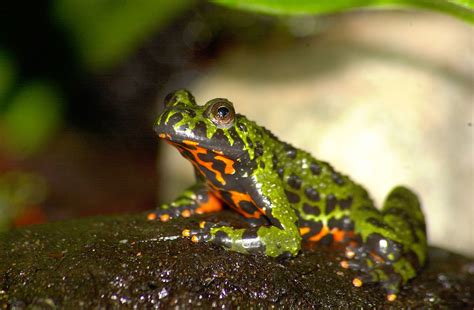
463,9
7,77
104,32
30,118
19,190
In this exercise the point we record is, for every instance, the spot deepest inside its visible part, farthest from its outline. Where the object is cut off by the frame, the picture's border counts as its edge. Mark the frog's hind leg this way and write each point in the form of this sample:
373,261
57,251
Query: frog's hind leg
402,212
195,200
395,245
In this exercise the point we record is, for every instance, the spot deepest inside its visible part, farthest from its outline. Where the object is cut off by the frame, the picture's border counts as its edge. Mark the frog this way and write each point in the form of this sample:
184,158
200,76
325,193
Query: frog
288,197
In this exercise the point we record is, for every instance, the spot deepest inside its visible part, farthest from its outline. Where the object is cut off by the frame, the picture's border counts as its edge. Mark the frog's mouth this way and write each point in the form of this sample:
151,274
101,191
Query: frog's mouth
175,136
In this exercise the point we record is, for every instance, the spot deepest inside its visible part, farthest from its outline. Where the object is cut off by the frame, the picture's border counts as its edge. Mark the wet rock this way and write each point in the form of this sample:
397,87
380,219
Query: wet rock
129,261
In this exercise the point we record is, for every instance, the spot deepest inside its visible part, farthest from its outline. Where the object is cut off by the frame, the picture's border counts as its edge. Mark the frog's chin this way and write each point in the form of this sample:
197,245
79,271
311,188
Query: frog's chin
170,135
189,139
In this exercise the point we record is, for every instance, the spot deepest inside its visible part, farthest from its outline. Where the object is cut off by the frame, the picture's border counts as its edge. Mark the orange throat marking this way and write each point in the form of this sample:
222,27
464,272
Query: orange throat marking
238,197
198,162
215,198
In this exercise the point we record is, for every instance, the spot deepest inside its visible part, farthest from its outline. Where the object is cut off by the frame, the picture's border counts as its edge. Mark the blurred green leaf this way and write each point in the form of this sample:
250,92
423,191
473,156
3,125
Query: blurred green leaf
7,77
32,116
463,9
107,31
18,190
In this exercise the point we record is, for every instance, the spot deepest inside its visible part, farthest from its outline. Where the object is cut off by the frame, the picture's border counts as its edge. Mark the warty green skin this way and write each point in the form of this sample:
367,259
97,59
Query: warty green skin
293,193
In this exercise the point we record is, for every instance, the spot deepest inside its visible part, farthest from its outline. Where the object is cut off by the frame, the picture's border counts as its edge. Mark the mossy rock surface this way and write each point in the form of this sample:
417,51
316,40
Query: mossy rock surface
126,261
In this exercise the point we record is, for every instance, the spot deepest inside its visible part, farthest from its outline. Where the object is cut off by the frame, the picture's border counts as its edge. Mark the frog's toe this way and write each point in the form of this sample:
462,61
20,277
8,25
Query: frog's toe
164,215
370,272
203,233
372,268
391,284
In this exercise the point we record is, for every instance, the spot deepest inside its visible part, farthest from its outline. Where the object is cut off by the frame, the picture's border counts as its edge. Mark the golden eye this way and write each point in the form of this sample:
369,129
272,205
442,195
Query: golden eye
221,112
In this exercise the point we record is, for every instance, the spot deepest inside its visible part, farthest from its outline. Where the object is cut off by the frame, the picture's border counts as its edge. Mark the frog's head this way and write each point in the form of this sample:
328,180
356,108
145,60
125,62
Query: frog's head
213,129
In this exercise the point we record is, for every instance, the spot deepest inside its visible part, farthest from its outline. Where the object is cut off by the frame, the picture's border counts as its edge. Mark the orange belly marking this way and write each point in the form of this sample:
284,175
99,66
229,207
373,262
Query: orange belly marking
211,205
338,234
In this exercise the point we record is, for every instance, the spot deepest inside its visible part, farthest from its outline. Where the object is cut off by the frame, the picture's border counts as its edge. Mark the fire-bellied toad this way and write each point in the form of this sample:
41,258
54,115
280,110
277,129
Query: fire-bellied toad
287,195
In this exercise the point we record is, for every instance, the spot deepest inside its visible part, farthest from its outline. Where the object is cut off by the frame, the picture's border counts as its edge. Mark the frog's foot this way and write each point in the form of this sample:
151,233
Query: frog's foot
377,260
188,204
166,213
203,233
268,240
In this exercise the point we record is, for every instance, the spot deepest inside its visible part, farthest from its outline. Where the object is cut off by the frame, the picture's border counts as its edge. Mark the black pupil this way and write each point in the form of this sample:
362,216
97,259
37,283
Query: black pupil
222,112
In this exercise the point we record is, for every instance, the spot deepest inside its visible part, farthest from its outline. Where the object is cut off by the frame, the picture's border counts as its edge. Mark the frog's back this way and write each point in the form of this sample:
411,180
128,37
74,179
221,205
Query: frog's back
322,197
331,205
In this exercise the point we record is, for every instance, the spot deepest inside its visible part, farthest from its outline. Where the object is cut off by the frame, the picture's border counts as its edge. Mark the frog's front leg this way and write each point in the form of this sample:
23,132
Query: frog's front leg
280,238
197,199
268,240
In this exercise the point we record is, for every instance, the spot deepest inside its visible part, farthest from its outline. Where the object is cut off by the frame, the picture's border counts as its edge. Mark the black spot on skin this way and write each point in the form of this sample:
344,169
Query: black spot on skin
345,203
262,164
399,196
247,207
368,209
187,154
327,240
312,194
255,222
250,143
290,151
250,234
315,168
337,178
258,149
378,223
238,143
223,239
175,118
314,228
220,139
309,209
414,234
207,157
242,127
346,223
200,129
294,181
190,112
280,172
331,202
334,223
292,197
390,247
274,160
245,165
403,214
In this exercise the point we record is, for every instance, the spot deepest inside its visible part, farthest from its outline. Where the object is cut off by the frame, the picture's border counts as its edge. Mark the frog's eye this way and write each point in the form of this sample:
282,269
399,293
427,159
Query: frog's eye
221,112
